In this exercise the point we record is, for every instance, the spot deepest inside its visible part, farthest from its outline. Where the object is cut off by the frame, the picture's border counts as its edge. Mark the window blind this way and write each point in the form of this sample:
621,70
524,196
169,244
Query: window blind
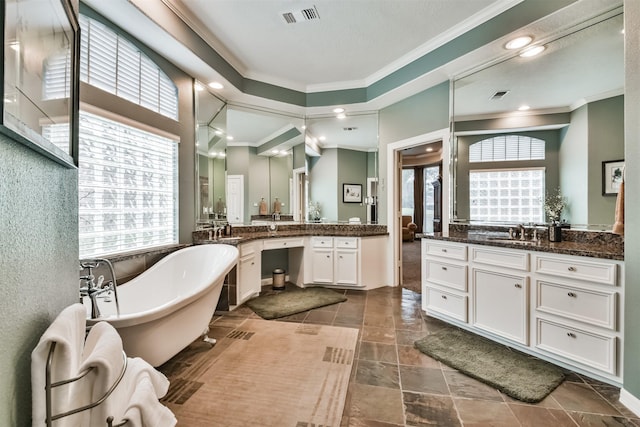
507,148
117,66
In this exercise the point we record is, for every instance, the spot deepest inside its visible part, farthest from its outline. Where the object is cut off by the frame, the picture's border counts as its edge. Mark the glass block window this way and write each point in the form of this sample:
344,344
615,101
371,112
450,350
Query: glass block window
127,184
508,195
117,66
507,148
128,188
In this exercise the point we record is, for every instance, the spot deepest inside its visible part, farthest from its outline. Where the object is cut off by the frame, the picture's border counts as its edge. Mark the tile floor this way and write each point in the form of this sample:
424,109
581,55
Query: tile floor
393,384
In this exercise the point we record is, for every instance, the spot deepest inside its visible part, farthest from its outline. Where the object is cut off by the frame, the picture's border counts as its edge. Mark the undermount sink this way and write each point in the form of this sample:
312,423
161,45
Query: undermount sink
514,241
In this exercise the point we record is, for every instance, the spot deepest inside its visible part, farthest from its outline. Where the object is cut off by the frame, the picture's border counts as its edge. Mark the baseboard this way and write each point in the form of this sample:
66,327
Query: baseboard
630,401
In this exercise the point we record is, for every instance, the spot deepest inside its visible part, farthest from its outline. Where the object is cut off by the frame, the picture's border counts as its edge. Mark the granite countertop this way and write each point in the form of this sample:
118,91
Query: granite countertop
595,245
242,234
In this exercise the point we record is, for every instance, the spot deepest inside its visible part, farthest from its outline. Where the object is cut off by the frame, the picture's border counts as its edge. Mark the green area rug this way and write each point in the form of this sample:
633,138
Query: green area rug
518,375
292,301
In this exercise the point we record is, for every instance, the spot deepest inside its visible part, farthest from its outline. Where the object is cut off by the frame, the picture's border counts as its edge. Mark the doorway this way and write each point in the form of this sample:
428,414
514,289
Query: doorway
394,201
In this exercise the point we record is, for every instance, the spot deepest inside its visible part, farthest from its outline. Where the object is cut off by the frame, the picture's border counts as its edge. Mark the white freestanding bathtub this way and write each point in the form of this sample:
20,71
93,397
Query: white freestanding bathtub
169,305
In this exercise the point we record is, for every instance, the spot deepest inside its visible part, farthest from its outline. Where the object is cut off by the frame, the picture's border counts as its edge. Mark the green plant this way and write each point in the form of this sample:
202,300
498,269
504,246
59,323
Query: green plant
554,204
314,210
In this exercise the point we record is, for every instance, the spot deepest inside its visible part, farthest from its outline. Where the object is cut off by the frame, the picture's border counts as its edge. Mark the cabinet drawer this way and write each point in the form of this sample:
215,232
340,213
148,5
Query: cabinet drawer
446,303
445,250
594,350
515,258
346,242
592,271
246,249
283,243
322,242
594,307
450,275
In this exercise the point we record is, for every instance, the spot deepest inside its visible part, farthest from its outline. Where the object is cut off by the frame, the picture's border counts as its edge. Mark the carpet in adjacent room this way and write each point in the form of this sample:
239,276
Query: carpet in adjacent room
516,374
293,300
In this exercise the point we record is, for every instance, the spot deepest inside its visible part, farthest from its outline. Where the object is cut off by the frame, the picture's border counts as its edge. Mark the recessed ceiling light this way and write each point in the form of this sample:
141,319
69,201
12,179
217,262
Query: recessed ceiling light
218,132
341,116
229,138
216,85
532,51
518,42
322,138
429,150
338,110
223,154
275,151
523,108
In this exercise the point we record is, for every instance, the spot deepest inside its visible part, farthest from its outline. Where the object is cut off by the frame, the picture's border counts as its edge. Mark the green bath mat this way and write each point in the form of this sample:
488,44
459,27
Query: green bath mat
292,301
518,375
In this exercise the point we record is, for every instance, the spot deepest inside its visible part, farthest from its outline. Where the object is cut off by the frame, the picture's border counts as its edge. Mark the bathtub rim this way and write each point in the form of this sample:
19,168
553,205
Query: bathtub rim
163,310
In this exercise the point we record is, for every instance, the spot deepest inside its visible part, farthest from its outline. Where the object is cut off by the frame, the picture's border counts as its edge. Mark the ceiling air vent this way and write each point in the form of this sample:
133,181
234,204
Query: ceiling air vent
350,128
307,14
500,94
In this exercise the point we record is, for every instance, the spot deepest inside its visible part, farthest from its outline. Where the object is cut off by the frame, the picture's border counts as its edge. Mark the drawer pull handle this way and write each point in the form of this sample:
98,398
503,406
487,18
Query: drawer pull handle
518,285
328,256
444,250
444,268
571,268
571,335
572,294
443,296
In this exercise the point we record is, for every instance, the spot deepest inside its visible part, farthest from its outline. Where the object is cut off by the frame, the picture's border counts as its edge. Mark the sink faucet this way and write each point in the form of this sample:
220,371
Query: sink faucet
522,231
92,289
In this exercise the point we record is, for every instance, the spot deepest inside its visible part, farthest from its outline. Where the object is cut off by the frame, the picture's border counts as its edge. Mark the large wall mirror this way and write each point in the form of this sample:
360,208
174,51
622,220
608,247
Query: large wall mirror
343,168
574,93
211,147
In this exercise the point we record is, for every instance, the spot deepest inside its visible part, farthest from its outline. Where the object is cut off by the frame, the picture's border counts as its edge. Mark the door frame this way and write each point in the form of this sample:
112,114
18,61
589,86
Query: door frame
394,208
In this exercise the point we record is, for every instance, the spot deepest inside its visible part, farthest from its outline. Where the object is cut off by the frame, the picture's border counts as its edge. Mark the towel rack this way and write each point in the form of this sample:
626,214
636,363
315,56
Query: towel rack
49,386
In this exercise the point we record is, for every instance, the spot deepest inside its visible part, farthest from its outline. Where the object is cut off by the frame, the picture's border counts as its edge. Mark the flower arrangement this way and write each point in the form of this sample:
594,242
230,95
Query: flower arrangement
314,210
554,204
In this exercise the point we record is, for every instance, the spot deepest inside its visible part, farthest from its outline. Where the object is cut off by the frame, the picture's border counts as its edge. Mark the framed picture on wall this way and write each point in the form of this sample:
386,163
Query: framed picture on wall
352,193
612,173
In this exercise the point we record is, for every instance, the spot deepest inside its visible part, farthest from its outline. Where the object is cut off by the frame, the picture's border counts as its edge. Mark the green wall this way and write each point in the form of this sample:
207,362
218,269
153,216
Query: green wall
38,261
573,161
632,198
323,183
352,169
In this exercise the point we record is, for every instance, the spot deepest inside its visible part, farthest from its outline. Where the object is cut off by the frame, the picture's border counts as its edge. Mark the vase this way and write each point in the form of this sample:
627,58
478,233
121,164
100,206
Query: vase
555,232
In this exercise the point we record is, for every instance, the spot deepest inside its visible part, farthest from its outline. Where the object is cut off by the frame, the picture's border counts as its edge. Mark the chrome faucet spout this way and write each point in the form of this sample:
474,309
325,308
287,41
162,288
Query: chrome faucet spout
92,289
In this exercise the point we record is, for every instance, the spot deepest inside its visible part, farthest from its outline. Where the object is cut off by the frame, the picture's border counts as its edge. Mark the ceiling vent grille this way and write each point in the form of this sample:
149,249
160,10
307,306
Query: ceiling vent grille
307,14
349,128
500,94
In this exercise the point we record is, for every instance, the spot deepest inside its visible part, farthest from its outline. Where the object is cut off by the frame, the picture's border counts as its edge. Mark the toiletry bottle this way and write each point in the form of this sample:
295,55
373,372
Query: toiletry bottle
227,229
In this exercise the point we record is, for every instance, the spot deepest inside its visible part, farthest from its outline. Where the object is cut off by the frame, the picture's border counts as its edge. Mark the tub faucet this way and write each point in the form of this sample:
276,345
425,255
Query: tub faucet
89,287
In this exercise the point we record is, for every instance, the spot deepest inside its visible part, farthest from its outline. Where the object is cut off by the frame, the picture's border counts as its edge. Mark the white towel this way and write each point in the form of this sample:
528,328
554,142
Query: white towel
103,354
136,398
67,330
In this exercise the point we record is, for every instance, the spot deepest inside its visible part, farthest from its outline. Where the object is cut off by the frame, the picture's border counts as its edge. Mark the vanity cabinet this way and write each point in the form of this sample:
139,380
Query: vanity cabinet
577,315
562,308
444,275
248,271
335,260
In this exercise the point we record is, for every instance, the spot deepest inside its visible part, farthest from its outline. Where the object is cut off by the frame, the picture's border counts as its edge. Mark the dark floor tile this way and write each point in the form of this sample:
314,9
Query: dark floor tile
485,413
612,395
409,355
423,380
377,374
595,420
378,352
408,337
376,403
533,416
462,385
580,397
383,335
429,410
378,320
320,317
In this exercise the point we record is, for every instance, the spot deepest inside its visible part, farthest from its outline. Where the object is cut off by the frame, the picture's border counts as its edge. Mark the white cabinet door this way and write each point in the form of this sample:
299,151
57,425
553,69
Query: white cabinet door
346,267
500,304
322,265
248,278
